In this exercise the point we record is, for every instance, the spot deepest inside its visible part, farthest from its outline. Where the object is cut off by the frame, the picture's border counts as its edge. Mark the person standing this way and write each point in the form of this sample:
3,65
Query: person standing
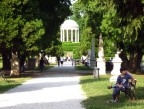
58,60
41,63
62,60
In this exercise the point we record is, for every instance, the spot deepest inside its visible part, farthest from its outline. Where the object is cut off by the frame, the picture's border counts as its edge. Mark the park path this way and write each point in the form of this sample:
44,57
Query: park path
59,88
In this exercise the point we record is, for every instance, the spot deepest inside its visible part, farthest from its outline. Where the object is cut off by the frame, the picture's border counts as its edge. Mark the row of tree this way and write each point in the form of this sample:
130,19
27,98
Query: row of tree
121,22
28,26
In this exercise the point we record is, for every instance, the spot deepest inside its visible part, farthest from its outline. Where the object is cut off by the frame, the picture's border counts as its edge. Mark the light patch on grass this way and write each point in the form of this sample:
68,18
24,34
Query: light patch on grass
11,83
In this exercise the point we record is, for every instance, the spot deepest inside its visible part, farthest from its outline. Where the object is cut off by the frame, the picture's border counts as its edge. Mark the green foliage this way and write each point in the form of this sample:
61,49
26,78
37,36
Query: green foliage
32,32
89,16
76,54
72,47
28,26
25,21
11,83
16,29
120,21
83,67
69,46
109,47
52,13
55,49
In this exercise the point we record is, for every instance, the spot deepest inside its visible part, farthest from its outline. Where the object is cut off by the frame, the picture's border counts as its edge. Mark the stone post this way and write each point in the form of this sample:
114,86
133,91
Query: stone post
89,54
15,65
101,60
92,55
116,67
31,63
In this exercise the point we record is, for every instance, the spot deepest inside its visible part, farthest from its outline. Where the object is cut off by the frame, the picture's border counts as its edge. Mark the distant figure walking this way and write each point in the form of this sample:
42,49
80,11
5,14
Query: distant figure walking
61,60
41,64
58,60
72,60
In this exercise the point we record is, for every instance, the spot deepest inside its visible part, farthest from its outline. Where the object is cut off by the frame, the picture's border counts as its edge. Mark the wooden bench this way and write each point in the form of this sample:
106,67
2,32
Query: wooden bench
130,92
5,74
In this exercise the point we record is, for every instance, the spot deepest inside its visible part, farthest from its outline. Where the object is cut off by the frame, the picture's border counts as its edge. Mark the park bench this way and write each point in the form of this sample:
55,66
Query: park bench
5,74
130,92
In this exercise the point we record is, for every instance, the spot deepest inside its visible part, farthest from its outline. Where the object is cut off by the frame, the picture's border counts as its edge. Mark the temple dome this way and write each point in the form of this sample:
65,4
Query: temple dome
69,24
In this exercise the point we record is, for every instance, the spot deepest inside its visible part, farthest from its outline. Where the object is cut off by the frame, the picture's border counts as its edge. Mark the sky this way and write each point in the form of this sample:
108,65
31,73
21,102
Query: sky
73,1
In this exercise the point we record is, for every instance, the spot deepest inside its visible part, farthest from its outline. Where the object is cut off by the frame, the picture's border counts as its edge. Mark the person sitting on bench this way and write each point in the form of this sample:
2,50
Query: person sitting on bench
121,85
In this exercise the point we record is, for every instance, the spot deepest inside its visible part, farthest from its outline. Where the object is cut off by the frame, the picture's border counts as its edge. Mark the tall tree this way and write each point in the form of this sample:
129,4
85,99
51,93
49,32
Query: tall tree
52,13
132,24
29,25
121,21
89,15
127,21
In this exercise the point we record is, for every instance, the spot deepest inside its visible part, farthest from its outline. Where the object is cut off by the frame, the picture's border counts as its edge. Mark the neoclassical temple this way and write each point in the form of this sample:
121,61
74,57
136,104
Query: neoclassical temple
69,31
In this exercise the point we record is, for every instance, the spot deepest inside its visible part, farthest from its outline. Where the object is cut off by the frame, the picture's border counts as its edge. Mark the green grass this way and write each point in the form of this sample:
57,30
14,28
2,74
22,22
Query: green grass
82,67
97,94
11,83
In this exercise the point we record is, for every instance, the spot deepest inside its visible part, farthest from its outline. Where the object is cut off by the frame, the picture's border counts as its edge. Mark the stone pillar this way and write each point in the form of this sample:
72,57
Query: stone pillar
61,37
116,67
15,65
89,54
78,35
72,35
67,35
92,55
101,60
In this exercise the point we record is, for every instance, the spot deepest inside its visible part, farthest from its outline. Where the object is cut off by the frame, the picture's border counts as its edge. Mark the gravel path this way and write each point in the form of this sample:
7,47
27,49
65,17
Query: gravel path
58,89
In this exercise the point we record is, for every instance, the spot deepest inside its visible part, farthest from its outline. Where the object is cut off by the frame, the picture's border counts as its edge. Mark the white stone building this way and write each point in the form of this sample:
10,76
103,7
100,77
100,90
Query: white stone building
69,31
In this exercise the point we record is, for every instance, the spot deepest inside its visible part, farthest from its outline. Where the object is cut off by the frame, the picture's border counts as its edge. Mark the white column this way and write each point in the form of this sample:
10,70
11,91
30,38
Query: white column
67,35
63,35
75,36
78,35
71,36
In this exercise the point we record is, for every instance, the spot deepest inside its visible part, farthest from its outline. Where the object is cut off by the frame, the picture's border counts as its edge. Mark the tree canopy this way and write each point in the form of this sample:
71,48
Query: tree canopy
28,26
121,21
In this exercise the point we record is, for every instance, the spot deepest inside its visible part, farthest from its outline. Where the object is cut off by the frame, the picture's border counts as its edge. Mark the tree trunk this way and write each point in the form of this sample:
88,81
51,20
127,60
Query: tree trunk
6,56
22,58
135,61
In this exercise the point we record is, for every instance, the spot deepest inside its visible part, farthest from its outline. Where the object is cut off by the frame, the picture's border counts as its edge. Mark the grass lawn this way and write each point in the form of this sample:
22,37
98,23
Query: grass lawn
11,83
97,94
82,67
